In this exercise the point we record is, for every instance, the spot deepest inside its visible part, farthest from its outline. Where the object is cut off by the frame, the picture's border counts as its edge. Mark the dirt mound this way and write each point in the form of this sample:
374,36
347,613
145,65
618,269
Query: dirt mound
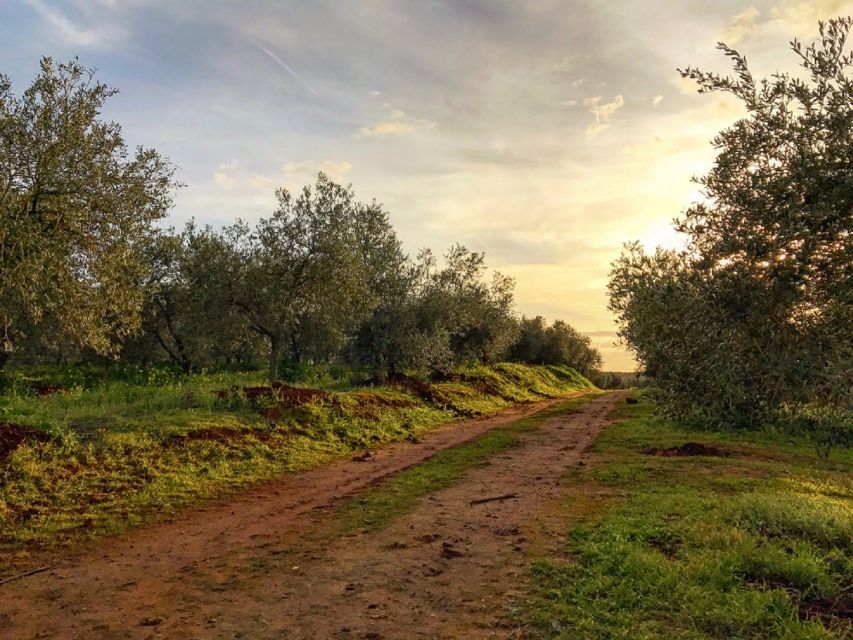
689,449
47,389
222,435
422,390
297,396
287,395
13,436
370,405
828,610
482,384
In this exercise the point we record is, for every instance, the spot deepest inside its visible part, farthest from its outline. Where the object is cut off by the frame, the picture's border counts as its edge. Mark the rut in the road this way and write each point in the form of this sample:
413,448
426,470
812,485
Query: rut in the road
448,569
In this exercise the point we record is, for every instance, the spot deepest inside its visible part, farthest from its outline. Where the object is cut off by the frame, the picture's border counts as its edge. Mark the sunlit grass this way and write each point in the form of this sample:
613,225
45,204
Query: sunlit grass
756,544
122,452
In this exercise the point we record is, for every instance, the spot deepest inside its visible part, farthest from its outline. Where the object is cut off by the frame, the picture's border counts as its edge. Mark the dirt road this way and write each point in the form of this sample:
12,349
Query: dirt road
266,565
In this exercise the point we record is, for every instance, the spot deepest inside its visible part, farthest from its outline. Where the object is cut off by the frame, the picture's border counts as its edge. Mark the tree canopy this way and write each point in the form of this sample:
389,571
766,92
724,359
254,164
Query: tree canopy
87,272
76,213
757,313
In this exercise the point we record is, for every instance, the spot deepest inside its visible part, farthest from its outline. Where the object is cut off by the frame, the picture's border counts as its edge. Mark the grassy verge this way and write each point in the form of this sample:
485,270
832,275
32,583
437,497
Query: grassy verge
754,543
398,495
93,460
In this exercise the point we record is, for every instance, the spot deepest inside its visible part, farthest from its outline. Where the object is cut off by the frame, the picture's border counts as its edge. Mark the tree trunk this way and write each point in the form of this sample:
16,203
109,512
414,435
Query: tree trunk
294,347
4,358
275,358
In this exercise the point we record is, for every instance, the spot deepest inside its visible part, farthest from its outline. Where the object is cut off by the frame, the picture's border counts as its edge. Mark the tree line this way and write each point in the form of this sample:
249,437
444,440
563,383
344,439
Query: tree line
87,272
755,317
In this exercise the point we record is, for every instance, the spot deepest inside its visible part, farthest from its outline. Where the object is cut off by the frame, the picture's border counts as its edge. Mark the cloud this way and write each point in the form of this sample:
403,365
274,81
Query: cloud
595,128
685,86
603,112
569,103
803,16
741,26
397,124
231,176
386,128
70,31
601,333
786,17
569,62
657,100
336,170
281,63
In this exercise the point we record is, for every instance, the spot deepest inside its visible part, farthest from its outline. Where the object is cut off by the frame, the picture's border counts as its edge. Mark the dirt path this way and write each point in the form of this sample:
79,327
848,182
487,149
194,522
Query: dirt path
258,565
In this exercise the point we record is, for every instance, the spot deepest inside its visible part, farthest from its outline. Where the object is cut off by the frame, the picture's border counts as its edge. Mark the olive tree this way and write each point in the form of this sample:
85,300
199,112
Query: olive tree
319,336
478,313
758,312
301,266
559,343
76,212
565,345
437,316
188,314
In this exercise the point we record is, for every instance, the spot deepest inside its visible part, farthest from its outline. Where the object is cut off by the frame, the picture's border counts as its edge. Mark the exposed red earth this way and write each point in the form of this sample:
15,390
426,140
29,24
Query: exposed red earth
270,563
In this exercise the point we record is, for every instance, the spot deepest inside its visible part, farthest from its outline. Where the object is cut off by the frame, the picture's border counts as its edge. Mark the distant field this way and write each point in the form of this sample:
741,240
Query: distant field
82,460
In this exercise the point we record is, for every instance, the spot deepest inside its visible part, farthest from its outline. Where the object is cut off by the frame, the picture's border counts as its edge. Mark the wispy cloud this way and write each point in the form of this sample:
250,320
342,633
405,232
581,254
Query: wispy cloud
657,100
397,124
275,58
231,176
386,128
603,112
784,18
66,28
741,26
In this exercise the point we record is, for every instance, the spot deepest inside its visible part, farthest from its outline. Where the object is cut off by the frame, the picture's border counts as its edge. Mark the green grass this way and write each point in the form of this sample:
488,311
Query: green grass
758,544
124,451
398,495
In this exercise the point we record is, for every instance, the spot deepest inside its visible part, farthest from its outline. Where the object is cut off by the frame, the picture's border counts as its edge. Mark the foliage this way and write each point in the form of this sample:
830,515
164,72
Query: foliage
559,343
618,379
187,313
757,314
76,212
300,277
438,317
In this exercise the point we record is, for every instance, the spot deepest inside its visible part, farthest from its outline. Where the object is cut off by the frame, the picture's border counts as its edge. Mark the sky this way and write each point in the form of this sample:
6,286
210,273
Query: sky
544,133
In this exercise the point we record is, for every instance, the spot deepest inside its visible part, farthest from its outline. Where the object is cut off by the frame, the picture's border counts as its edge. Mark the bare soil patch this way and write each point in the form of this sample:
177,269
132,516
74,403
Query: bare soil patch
13,436
267,564
689,449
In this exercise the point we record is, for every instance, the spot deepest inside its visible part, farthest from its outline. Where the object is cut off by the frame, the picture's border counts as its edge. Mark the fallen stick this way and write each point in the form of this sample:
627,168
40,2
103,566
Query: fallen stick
506,496
31,572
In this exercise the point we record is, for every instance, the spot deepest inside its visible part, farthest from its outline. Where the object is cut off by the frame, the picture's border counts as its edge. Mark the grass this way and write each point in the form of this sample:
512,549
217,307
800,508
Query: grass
118,453
755,544
399,495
